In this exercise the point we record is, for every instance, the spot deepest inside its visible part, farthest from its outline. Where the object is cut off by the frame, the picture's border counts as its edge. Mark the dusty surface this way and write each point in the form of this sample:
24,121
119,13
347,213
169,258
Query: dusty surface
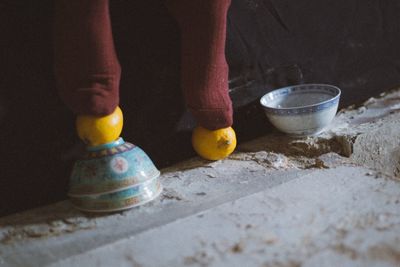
329,216
369,135
330,200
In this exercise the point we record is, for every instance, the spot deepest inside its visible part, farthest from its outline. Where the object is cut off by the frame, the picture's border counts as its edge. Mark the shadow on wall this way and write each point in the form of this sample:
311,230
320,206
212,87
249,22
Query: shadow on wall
273,43
270,44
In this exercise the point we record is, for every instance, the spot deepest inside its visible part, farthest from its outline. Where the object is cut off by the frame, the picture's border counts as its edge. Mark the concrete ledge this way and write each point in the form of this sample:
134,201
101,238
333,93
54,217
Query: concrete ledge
328,217
277,201
369,135
58,231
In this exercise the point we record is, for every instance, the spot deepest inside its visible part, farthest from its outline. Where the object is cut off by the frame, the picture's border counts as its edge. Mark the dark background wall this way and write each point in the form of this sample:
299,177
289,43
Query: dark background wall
352,44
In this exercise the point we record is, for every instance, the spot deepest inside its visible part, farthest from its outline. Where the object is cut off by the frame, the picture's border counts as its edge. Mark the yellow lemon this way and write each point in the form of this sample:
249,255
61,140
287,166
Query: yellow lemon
214,145
100,130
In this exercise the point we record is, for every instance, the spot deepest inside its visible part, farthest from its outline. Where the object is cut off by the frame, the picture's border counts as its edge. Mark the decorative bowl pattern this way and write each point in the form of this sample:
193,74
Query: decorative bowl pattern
121,200
302,109
125,193
109,168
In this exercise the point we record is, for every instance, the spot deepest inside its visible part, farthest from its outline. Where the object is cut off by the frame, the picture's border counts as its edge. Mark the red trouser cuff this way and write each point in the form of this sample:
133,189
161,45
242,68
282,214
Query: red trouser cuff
213,119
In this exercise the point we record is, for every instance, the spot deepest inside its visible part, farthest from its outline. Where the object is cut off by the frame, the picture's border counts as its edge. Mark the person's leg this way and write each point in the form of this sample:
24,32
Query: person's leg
204,68
86,66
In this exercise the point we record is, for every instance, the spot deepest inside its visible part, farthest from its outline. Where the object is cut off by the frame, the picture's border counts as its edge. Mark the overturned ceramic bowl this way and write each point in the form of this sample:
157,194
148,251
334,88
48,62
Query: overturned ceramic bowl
121,200
110,168
302,110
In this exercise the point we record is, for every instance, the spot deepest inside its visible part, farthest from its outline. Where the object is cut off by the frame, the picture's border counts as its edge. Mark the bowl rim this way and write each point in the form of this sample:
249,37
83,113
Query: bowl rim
137,188
290,88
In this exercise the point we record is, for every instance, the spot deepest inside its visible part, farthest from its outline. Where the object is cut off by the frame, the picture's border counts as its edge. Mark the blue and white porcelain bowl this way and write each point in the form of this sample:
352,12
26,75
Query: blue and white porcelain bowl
302,110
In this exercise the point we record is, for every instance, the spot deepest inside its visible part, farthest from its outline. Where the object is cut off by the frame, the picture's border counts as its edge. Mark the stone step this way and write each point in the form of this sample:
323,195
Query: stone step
332,216
327,200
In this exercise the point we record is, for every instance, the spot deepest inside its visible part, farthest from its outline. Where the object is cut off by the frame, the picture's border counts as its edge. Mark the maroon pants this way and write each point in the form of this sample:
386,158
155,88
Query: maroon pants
88,72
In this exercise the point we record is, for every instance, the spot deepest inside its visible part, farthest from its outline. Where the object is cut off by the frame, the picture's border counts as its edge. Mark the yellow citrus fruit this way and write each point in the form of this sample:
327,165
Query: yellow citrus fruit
214,145
100,130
